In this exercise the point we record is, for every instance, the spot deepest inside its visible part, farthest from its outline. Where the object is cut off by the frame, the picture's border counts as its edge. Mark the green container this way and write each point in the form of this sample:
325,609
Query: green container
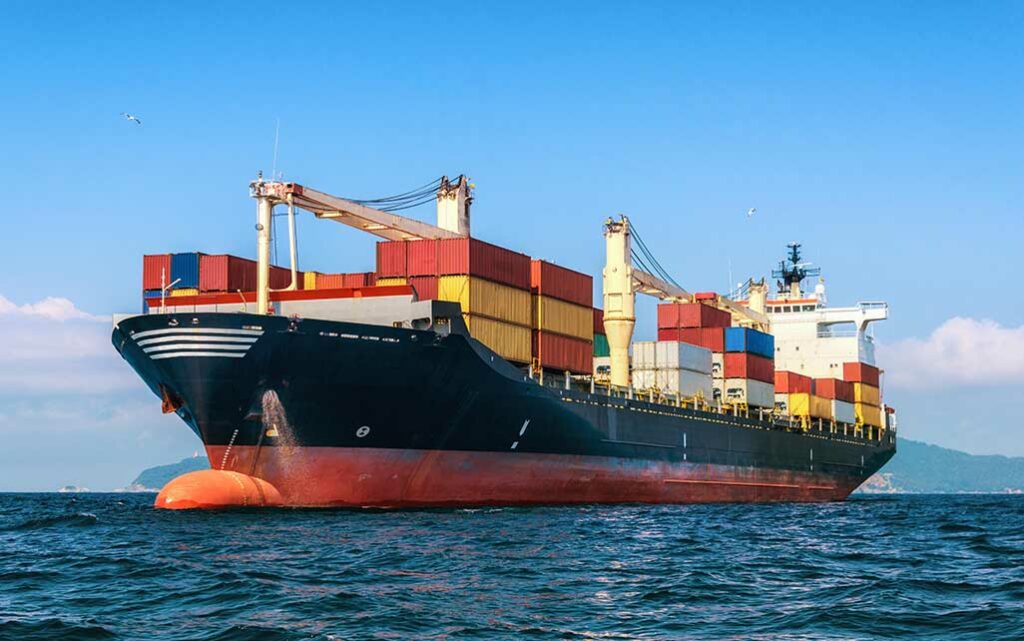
601,345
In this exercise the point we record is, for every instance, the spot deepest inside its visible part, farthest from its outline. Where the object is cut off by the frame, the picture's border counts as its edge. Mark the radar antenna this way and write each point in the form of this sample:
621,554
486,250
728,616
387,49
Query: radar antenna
792,271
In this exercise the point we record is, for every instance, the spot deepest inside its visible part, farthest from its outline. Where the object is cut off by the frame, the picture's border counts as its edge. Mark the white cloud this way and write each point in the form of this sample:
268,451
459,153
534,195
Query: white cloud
52,308
961,351
53,347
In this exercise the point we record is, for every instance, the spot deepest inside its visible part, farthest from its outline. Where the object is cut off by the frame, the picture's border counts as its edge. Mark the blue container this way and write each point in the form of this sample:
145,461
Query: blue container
148,295
743,339
185,267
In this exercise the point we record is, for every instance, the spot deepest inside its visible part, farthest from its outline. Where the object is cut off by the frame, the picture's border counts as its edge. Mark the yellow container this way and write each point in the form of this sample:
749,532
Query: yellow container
188,291
511,342
799,404
481,297
309,280
560,317
821,407
868,414
382,282
868,394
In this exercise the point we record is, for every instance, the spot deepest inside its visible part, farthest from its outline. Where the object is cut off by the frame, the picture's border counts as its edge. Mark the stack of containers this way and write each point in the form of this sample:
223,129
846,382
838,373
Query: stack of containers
867,398
796,396
492,284
840,395
701,325
749,367
227,273
563,318
672,366
601,347
337,281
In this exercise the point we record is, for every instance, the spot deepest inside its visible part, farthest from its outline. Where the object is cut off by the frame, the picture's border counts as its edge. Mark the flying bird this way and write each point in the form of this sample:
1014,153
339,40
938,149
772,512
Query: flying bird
129,116
751,212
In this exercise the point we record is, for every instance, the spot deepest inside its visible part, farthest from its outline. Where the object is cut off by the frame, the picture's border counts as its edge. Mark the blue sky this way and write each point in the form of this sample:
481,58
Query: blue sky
886,137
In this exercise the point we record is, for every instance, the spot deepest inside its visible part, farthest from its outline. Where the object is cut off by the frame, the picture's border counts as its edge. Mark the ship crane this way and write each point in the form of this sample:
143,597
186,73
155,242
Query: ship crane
622,281
453,204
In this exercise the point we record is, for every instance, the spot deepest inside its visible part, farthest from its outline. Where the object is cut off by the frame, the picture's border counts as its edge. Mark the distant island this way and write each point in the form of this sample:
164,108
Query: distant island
918,468
154,478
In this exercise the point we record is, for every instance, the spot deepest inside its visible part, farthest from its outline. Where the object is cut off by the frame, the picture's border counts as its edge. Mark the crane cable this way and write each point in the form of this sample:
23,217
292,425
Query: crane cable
658,270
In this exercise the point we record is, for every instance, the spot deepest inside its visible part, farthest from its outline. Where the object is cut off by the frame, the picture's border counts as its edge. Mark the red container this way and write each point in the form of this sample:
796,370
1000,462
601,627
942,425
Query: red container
281,278
477,258
561,353
860,373
833,388
747,365
358,279
554,281
691,315
793,383
712,338
705,296
226,273
391,259
153,265
598,321
421,258
425,286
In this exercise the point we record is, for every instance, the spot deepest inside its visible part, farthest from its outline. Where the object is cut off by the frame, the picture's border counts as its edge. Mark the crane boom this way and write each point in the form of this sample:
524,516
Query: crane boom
379,223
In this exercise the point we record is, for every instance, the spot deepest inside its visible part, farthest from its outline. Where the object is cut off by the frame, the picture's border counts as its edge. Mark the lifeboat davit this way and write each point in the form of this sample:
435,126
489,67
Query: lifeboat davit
216,489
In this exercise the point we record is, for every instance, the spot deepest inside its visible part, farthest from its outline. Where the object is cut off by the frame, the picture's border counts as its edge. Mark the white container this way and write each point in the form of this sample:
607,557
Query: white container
782,403
644,378
685,382
676,355
644,355
746,390
843,412
718,364
718,389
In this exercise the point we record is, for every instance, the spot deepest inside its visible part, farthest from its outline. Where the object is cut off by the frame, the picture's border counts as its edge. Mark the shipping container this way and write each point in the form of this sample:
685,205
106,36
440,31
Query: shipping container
598,321
477,258
511,342
744,339
330,281
421,257
426,289
645,355
868,414
154,268
712,338
745,390
391,259
843,412
678,355
701,296
691,315
644,378
385,282
860,373
820,407
835,389
185,291
868,394
185,269
563,353
747,365
601,347
226,273
483,298
792,383
560,317
717,364
795,404
685,382
339,281
309,280
554,281
281,278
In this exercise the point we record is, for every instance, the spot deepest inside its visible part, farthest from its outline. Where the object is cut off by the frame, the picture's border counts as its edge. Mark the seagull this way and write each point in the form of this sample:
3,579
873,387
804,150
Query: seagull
751,212
129,116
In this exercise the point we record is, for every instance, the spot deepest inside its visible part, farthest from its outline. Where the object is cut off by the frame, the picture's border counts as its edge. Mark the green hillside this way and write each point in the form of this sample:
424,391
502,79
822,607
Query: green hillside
923,468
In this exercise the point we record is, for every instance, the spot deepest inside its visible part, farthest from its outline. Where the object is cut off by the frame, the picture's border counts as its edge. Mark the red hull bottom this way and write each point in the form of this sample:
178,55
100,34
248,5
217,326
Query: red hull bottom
391,478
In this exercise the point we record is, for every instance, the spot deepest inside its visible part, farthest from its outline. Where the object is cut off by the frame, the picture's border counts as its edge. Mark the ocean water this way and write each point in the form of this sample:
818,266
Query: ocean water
108,566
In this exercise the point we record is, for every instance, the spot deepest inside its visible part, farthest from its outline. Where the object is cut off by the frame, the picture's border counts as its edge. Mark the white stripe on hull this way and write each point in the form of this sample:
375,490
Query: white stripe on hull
198,337
165,355
196,346
197,330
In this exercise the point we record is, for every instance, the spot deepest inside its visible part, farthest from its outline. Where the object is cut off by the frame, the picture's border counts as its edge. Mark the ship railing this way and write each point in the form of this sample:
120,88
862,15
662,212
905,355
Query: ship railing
873,304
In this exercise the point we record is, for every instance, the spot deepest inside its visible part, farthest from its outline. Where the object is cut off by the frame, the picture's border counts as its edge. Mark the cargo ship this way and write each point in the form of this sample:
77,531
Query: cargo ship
460,373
